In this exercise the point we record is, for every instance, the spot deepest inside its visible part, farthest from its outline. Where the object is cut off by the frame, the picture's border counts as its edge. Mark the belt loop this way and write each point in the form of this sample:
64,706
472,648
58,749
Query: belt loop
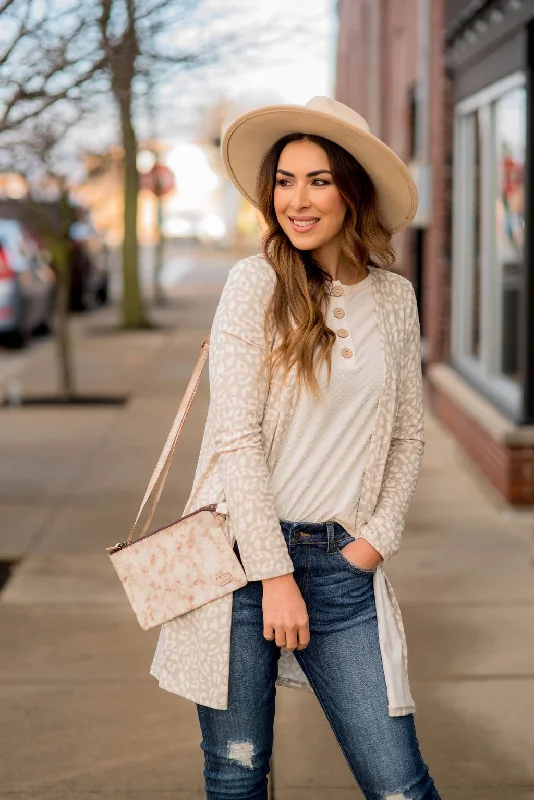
330,537
285,528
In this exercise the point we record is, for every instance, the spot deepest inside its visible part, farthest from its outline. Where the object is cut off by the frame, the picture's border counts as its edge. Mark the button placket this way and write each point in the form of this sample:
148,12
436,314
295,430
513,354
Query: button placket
342,334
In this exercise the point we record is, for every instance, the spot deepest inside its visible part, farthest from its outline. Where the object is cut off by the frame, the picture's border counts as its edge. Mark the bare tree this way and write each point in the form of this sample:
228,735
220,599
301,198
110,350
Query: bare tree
135,42
39,152
56,53
50,54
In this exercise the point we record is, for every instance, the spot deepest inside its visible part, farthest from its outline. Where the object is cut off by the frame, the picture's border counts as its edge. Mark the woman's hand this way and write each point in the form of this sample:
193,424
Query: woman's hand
362,554
285,617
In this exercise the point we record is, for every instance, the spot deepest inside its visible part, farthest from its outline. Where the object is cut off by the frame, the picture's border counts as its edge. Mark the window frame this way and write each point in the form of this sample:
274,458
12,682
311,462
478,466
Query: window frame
482,371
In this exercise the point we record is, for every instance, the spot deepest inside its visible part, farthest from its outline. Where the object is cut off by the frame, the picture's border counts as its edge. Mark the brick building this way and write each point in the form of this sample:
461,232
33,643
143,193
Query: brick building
447,84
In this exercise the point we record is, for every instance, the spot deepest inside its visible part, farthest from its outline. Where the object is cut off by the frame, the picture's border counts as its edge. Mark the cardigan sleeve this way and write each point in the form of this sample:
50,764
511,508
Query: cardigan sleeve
401,471
238,391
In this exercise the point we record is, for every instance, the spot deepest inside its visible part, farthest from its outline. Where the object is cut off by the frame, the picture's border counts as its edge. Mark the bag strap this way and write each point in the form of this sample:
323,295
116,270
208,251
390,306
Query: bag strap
164,462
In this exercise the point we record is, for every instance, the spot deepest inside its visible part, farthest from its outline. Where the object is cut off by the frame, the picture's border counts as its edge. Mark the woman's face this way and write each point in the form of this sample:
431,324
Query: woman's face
307,203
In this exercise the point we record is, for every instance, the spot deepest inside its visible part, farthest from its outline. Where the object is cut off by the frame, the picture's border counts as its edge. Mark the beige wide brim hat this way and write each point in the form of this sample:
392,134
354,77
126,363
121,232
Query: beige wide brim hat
250,136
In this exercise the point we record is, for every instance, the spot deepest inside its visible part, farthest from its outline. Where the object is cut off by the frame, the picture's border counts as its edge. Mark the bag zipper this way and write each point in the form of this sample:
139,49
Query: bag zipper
121,545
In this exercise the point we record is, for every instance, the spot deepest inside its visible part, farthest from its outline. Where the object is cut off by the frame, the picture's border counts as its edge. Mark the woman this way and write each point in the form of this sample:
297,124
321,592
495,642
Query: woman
314,440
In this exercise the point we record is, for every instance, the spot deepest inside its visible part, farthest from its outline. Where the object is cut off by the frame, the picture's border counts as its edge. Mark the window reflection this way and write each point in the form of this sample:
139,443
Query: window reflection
510,130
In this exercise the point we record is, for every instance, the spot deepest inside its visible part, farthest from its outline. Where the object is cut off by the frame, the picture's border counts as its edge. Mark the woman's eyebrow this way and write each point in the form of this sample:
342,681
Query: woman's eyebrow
308,175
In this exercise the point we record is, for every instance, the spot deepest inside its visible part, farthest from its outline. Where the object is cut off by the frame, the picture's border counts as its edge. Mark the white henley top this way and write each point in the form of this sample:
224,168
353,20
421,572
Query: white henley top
320,469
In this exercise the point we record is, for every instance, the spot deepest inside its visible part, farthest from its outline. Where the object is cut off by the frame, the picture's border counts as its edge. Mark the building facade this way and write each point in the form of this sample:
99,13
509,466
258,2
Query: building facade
448,85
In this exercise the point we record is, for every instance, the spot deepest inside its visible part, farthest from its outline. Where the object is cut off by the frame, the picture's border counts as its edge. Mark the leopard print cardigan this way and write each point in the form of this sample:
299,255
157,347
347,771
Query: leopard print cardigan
246,421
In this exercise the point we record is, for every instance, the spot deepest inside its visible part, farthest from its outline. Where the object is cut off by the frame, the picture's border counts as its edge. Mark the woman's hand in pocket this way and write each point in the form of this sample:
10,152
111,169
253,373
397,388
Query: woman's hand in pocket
362,554
285,617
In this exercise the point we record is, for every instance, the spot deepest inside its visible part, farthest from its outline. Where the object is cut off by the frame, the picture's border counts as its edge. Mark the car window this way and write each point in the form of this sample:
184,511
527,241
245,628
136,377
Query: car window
17,249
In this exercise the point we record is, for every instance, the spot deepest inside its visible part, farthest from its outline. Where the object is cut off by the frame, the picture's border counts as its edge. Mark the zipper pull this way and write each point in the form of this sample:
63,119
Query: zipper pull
221,508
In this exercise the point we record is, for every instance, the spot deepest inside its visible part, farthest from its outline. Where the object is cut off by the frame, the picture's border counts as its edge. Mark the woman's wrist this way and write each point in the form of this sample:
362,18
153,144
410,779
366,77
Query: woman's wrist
278,580
363,554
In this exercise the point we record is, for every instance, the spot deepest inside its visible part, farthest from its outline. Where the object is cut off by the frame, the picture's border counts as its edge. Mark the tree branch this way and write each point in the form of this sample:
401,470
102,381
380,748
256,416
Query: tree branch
23,95
5,5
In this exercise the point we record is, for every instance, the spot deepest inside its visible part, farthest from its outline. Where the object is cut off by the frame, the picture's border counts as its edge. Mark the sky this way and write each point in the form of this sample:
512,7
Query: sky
301,69
296,66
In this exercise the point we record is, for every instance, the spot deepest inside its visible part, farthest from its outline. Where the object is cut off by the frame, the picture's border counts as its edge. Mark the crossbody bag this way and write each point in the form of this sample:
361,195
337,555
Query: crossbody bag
182,566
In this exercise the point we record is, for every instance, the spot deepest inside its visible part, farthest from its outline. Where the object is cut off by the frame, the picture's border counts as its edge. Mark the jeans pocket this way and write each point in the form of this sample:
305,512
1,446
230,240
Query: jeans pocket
350,564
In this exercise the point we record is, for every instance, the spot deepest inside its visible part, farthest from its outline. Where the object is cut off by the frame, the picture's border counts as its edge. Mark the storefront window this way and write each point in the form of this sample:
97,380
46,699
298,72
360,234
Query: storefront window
510,129
488,235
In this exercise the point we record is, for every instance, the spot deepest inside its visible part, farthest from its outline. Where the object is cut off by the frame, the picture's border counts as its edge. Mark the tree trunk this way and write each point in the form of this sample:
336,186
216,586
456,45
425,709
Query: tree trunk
133,313
60,254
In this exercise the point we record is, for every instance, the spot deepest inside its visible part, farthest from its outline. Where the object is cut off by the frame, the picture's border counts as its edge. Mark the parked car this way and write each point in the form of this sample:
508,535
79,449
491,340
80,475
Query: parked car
89,265
27,285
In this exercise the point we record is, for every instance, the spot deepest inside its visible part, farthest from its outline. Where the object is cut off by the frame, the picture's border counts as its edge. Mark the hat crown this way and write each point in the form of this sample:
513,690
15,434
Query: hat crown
338,110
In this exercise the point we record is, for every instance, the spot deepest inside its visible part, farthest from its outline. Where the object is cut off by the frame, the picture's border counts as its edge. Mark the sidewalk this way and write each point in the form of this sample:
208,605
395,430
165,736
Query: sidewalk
79,714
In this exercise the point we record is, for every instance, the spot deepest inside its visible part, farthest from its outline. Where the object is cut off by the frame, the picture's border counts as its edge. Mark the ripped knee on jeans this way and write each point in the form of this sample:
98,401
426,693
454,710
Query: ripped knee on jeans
241,753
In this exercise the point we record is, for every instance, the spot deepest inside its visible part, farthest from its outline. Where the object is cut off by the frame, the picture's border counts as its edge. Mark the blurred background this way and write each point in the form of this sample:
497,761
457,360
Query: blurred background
117,229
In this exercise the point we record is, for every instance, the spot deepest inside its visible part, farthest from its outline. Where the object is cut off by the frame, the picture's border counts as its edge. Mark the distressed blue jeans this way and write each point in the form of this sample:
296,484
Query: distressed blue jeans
344,667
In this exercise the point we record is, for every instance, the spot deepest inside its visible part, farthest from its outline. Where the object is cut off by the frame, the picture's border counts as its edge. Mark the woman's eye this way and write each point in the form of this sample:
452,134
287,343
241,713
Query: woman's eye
316,182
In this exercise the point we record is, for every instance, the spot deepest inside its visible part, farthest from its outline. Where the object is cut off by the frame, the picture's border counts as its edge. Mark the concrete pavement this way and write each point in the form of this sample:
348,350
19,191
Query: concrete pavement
80,716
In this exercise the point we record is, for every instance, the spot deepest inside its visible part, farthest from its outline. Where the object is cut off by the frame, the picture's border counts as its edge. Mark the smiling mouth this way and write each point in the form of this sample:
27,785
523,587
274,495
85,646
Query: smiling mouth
304,223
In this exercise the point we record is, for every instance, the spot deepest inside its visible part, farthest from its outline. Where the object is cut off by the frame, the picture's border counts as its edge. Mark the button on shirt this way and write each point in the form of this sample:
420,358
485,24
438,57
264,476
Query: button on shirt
319,472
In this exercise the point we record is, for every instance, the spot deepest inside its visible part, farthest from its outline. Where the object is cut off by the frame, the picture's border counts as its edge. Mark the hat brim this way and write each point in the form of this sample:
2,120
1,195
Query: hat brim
250,136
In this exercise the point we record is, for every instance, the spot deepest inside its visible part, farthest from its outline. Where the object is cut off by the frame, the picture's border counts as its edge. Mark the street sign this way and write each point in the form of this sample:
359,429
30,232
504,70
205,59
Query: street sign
159,180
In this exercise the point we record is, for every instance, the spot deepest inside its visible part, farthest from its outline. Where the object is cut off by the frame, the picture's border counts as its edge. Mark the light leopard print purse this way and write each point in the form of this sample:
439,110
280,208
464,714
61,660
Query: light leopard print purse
172,570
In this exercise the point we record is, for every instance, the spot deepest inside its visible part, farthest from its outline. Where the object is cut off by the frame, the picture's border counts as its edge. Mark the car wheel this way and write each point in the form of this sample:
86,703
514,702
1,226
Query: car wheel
18,339
44,327
77,300
103,293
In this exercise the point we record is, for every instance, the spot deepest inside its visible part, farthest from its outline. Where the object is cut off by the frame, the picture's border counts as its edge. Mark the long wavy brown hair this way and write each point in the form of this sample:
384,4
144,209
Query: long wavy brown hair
300,299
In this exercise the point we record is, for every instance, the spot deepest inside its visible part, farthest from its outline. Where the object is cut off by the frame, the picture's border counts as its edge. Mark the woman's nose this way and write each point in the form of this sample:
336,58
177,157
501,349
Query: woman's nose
300,198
